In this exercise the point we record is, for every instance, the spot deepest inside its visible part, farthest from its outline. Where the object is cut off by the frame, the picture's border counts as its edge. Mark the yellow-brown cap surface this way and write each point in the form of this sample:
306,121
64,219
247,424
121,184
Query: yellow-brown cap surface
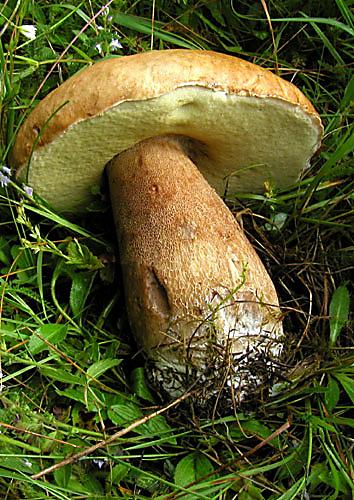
248,124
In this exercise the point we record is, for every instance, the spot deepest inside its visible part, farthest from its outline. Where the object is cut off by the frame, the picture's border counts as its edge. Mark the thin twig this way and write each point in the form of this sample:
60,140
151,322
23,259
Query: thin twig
152,25
265,441
272,33
111,439
37,434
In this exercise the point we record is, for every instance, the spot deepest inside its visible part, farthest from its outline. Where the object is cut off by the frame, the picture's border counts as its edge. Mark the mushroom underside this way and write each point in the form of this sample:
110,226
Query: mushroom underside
238,136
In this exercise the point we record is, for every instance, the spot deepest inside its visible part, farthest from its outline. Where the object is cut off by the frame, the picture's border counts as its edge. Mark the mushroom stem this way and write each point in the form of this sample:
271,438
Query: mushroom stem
199,300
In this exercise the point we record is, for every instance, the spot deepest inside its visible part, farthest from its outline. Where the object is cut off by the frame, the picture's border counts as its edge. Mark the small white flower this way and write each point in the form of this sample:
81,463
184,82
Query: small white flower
27,463
115,43
98,47
4,180
28,190
6,170
105,11
29,31
100,28
99,462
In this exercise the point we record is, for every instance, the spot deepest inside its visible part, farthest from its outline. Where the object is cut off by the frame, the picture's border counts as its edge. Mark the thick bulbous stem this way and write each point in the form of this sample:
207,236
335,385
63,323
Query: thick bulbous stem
199,300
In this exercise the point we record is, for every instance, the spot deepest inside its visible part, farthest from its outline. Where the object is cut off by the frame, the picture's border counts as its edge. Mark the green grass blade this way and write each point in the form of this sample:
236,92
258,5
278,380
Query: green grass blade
318,20
346,12
145,26
338,313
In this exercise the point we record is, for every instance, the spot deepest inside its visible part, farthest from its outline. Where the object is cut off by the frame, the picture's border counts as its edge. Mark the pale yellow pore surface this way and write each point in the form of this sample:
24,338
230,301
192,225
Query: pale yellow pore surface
243,141
197,294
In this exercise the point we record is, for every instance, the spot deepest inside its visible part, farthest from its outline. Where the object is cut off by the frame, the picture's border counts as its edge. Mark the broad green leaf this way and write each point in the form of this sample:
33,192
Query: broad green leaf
332,394
62,476
260,430
321,422
60,375
158,426
124,414
19,464
256,427
250,492
319,474
81,257
119,472
139,384
349,93
191,468
75,394
80,288
100,367
347,383
89,487
5,253
338,312
51,333
89,399
293,492
342,421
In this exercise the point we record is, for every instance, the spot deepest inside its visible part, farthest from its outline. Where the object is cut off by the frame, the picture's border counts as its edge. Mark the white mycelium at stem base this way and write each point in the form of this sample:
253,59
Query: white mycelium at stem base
199,300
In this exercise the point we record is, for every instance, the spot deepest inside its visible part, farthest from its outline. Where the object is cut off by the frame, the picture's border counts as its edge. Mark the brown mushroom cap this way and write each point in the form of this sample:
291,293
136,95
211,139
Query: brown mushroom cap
249,125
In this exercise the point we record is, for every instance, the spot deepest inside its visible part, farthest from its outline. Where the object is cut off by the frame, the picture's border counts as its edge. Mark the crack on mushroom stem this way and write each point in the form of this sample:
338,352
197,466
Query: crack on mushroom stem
211,357
157,293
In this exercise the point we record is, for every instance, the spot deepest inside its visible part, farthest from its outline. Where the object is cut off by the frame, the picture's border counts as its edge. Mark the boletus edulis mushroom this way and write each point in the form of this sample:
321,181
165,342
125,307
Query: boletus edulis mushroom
177,129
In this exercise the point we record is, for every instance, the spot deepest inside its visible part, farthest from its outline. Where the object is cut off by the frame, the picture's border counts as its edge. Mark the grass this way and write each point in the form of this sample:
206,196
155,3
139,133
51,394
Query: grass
69,377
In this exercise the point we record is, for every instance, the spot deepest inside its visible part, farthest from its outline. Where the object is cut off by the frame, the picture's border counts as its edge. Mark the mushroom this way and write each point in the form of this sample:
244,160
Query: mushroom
177,129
